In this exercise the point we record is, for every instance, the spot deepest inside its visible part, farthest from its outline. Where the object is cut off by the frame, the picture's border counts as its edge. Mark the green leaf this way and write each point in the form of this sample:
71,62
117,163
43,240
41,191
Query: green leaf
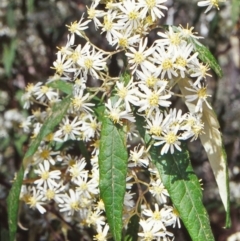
183,186
58,111
9,52
13,203
113,159
125,77
185,191
206,56
212,142
99,110
62,85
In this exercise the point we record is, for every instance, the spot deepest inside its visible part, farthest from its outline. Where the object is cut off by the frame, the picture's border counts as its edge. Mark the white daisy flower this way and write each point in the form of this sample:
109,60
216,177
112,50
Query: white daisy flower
116,114
46,176
169,140
200,95
210,4
68,130
153,7
150,100
140,57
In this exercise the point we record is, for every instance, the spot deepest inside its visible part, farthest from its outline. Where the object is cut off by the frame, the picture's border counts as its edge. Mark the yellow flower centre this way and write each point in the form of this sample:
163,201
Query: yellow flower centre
197,129
50,194
96,144
100,205
150,3
151,81
59,68
77,103
122,93
114,116
29,88
153,99
32,201
26,198
155,130
71,162
123,42
49,137
202,93
73,27
37,113
215,3
83,186
67,128
45,154
148,236
107,24
94,125
109,4
175,39
75,56
63,49
171,138
167,64
175,212
44,89
157,189
138,58
99,237
149,20
133,15
181,61
91,13
88,63
75,206
204,69
78,81
74,171
45,175
157,215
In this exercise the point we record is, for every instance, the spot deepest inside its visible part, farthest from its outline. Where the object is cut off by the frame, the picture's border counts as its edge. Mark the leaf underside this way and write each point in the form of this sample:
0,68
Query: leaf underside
51,122
212,142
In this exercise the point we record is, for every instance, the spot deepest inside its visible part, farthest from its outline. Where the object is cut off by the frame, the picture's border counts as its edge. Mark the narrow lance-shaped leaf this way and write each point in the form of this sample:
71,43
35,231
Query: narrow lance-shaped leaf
12,204
113,170
58,111
51,122
9,52
183,186
206,56
212,142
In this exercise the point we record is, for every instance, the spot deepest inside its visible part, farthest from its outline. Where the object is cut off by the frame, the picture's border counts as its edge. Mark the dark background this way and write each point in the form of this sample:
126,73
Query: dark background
30,31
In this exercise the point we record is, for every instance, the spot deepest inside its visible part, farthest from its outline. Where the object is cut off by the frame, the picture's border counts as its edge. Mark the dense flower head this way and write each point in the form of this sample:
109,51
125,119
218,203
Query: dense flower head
70,180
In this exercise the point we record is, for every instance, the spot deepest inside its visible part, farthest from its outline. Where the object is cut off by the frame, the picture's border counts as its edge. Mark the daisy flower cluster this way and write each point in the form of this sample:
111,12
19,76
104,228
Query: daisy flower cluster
63,174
